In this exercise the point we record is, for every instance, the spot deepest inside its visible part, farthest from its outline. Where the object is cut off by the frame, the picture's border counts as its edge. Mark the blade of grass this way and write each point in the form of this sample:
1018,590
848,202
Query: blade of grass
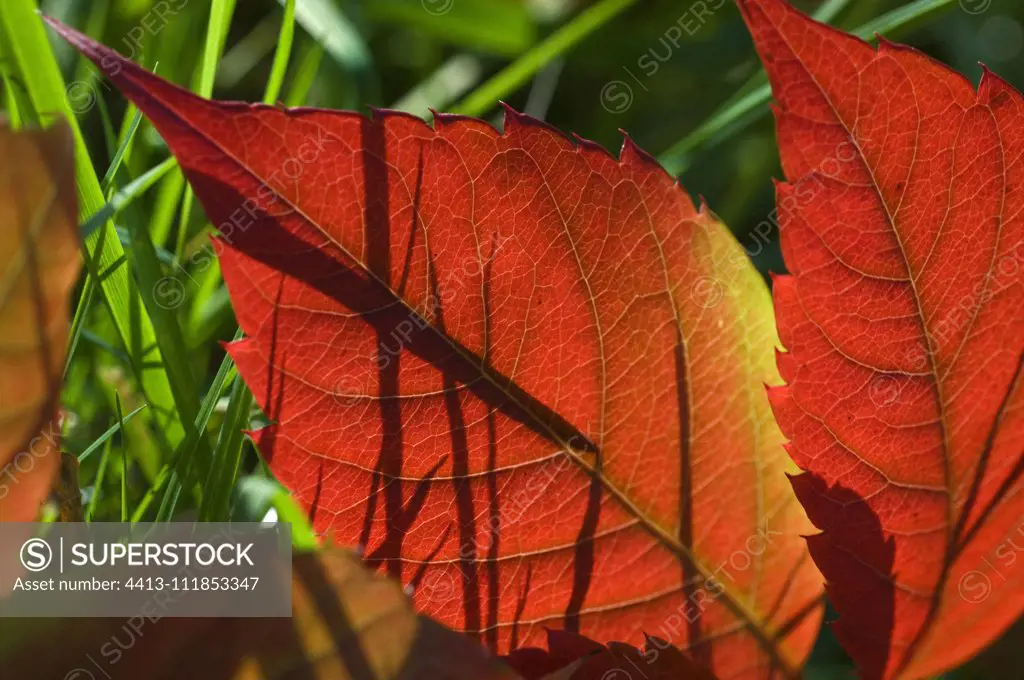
122,148
155,488
216,36
161,297
228,452
305,75
829,10
437,91
97,485
516,74
124,461
89,289
84,72
247,52
497,27
162,219
116,203
15,99
190,445
109,138
124,197
210,278
737,114
78,322
98,341
331,28
105,437
227,456
37,69
282,54
902,18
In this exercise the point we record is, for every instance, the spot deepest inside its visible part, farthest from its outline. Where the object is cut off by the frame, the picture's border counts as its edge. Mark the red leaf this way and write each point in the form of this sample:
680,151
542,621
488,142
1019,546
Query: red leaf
525,375
902,226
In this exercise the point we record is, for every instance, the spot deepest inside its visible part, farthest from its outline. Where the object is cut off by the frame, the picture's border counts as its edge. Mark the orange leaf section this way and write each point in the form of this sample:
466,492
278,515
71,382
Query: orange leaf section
903,227
525,376
39,264
346,624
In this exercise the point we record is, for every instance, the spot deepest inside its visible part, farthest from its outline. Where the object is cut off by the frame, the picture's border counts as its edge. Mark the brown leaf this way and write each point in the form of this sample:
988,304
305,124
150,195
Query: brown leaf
39,264
347,624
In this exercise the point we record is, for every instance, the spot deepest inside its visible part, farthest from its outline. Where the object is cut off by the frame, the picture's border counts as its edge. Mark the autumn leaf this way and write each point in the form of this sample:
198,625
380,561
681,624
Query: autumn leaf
347,624
39,264
525,376
902,225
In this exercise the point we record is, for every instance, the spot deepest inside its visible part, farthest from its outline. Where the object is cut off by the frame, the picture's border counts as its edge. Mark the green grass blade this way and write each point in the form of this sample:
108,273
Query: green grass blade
162,295
486,97
902,18
122,149
15,99
162,218
103,438
123,198
324,21
124,460
209,280
109,138
829,10
228,452
738,111
247,52
98,341
281,54
84,72
101,473
191,445
305,75
227,455
438,90
155,488
78,321
493,26
202,420
216,36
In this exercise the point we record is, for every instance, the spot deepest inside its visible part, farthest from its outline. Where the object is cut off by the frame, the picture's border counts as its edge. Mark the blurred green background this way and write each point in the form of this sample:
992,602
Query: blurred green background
658,69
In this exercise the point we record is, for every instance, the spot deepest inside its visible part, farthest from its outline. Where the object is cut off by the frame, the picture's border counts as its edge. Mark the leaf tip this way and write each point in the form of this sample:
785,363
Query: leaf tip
704,208
785,364
512,120
587,144
630,152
